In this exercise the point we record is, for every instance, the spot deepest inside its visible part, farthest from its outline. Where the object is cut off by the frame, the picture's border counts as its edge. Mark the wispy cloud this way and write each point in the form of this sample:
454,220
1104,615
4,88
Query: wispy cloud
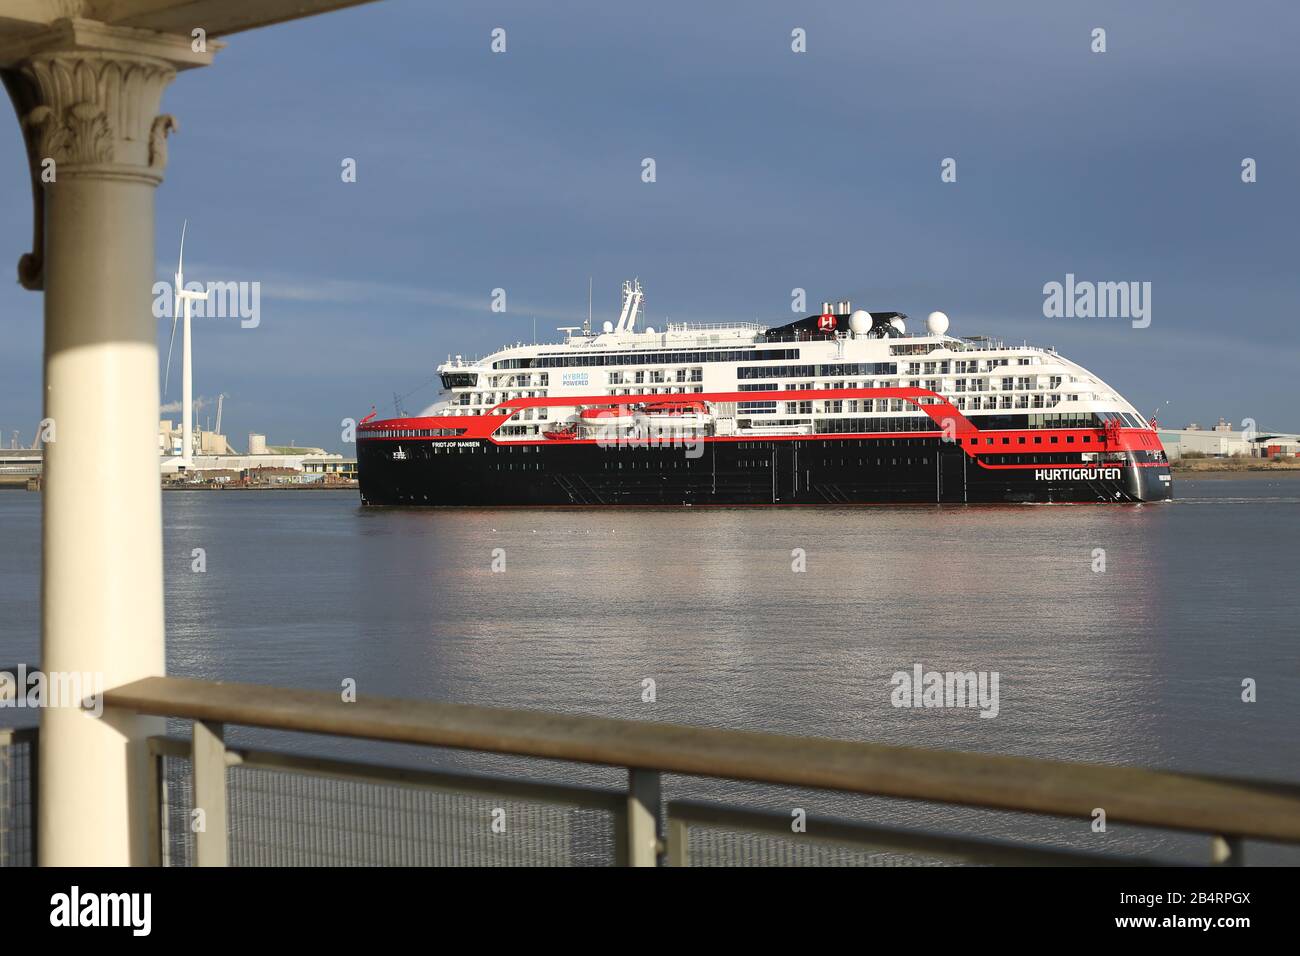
200,402
332,291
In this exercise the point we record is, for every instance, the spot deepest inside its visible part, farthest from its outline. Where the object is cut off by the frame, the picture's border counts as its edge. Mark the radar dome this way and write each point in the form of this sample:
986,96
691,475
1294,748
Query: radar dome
608,326
860,322
898,323
650,331
937,323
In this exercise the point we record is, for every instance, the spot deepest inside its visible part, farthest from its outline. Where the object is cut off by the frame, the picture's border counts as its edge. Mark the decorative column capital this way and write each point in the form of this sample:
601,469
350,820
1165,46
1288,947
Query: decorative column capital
87,98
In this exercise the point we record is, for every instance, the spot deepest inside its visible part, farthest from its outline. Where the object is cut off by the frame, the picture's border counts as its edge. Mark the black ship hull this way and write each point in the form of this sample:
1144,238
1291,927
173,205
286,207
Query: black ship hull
735,472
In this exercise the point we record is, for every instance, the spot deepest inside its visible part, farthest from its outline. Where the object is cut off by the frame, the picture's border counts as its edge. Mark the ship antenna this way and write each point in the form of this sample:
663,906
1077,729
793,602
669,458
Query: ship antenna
587,329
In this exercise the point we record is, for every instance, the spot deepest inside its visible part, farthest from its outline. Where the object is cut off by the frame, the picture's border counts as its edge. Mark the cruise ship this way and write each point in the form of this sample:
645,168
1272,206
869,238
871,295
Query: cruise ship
840,407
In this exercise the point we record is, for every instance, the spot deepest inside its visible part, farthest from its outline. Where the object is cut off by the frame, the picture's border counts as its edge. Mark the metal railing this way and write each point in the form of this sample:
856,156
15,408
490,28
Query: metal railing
769,836
294,809
18,771
634,819
739,326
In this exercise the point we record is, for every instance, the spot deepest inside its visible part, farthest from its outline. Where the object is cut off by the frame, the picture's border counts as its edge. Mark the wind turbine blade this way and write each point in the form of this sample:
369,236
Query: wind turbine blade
180,263
168,375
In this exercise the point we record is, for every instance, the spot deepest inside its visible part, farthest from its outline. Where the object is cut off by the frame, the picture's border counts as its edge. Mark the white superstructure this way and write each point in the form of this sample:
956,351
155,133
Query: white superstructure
838,349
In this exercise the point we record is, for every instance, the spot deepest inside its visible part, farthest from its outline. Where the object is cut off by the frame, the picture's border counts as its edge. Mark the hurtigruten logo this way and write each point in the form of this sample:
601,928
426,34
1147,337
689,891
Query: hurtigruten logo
1076,474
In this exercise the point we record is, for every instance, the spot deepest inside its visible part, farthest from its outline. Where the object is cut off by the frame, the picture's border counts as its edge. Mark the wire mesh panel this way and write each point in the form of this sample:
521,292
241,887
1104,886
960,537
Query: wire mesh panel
293,819
177,799
710,834
716,846
280,818
16,787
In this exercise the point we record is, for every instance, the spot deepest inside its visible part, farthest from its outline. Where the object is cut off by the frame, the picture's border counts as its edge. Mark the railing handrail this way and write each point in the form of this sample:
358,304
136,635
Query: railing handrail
1204,804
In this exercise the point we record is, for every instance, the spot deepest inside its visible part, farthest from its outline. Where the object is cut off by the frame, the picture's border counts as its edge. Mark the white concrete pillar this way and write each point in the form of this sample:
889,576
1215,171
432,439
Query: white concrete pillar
87,97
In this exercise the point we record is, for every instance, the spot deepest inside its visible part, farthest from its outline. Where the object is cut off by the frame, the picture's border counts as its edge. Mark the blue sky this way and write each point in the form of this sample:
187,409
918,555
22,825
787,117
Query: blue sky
775,170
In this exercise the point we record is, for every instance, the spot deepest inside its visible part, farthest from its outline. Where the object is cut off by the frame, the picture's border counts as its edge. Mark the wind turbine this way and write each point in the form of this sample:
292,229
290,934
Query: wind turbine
187,371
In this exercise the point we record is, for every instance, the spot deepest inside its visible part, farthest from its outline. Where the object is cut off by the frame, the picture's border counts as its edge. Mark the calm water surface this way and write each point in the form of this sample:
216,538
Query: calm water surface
1139,665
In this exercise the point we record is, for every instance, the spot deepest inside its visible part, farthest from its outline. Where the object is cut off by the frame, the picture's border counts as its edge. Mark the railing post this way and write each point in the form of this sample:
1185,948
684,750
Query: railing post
208,762
157,806
6,801
643,844
34,792
678,840
1226,851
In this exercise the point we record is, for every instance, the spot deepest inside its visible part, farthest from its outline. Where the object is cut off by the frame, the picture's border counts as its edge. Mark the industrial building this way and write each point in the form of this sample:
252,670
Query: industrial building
213,456
332,467
171,442
20,466
1222,441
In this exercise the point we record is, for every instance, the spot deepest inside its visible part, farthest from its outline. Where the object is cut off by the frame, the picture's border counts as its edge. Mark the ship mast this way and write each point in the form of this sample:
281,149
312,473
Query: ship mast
632,296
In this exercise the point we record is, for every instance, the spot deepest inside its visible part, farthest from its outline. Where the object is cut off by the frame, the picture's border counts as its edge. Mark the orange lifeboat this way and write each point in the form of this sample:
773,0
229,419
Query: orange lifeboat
610,414
562,432
681,407
608,420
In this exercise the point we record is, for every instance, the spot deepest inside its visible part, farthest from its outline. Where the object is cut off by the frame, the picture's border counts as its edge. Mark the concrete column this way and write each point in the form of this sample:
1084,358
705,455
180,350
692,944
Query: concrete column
87,98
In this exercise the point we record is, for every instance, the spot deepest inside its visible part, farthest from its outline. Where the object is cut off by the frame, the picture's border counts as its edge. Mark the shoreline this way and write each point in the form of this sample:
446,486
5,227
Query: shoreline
1219,474
287,487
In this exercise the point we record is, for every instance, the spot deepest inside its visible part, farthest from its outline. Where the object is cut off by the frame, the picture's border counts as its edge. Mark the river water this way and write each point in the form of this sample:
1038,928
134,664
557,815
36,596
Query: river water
1140,663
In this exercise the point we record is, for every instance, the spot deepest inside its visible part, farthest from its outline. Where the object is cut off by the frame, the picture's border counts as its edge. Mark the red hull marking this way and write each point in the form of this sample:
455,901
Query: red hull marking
973,451
482,426
1081,465
939,410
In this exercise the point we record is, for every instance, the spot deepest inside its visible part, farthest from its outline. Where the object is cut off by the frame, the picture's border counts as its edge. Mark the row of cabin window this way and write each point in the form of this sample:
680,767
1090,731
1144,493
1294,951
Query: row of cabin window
964,366
414,433
656,376
1038,440
648,358
666,390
